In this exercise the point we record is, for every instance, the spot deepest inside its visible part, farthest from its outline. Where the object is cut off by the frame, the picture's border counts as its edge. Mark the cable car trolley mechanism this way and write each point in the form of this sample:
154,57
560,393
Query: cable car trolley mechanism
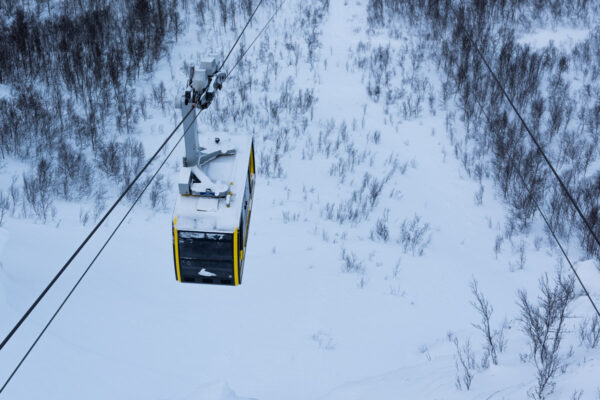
216,187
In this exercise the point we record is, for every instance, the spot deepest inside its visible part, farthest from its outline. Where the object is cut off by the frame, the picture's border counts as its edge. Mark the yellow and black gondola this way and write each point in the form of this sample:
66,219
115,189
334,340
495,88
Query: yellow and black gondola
210,233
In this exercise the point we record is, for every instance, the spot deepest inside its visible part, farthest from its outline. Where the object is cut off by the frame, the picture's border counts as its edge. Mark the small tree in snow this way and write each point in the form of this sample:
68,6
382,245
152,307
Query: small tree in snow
494,338
544,325
465,364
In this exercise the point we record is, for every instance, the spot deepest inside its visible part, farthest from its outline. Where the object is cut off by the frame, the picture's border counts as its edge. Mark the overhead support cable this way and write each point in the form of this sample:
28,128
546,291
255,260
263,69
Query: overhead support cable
240,36
111,209
136,201
530,133
256,37
546,159
87,239
549,227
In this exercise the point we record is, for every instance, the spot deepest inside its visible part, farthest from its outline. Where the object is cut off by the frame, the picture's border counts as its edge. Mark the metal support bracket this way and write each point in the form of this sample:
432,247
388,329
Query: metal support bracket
202,86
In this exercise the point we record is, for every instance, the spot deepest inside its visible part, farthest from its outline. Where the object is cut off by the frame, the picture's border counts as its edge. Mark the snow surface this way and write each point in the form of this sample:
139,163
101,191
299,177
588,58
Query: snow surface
564,38
3,239
204,272
3,300
4,91
589,273
298,327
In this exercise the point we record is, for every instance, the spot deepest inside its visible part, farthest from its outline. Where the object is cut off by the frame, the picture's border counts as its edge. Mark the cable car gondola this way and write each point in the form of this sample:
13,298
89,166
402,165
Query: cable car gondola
216,187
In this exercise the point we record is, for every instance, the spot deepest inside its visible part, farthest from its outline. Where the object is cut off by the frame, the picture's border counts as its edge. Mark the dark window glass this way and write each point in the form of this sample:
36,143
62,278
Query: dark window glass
205,246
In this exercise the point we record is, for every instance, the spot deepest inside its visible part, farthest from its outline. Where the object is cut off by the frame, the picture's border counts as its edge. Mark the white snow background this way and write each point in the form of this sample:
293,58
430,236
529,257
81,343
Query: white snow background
299,327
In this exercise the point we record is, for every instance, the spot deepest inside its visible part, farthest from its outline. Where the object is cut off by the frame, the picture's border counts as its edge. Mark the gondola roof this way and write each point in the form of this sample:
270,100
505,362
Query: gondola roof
205,214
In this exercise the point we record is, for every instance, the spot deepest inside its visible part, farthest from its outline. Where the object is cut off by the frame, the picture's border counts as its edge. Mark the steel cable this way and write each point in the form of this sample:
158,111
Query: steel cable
122,219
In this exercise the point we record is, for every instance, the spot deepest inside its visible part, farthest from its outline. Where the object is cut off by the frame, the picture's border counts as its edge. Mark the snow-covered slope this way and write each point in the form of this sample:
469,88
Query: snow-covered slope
563,38
327,310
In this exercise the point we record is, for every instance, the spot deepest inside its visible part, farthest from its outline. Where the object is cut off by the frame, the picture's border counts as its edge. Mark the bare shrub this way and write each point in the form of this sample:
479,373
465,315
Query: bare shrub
15,193
142,106
4,206
351,263
289,216
324,340
479,195
589,332
361,202
99,202
84,216
127,114
120,160
108,158
375,14
132,157
414,236
465,364
270,164
494,338
157,195
313,14
159,94
379,75
73,173
577,395
37,187
544,325
498,245
381,231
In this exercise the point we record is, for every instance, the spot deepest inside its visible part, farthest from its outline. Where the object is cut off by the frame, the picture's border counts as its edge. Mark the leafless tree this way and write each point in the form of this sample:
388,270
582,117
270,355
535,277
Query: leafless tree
544,325
37,189
494,338
589,332
4,206
415,236
465,364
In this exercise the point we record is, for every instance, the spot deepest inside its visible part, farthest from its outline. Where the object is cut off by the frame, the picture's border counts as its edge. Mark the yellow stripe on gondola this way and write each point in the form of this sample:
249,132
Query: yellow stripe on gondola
247,221
176,242
252,170
236,276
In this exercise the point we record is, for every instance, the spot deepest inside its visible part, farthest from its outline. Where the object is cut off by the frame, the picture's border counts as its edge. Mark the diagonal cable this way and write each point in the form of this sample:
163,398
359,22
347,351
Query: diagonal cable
240,35
256,38
548,225
124,217
92,262
531,135
86,240
111,209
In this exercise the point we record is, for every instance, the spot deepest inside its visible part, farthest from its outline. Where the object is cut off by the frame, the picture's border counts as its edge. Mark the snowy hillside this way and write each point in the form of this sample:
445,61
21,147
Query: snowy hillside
369,242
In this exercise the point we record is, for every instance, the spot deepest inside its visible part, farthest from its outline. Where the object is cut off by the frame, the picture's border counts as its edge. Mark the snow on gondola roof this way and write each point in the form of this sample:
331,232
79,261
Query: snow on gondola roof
204,214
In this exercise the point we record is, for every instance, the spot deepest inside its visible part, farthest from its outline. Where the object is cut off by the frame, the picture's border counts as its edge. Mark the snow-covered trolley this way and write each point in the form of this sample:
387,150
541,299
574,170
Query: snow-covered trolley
212,212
